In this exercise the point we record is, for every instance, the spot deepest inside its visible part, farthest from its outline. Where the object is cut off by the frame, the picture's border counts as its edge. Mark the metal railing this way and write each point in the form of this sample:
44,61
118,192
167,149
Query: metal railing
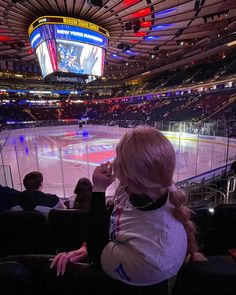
231,186
203,195
6,176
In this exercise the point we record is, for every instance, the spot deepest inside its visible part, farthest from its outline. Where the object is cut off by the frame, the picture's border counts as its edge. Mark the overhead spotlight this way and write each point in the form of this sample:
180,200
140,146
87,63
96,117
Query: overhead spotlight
136,26
128,26
19,44
197,5
179,32
16,1
123,46
95,2
120,46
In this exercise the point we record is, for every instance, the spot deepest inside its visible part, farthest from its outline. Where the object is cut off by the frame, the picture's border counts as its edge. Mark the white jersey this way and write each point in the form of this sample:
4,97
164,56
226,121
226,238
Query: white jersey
146,247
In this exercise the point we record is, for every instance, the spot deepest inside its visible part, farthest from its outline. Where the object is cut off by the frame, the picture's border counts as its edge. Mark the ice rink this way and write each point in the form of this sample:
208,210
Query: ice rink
66,153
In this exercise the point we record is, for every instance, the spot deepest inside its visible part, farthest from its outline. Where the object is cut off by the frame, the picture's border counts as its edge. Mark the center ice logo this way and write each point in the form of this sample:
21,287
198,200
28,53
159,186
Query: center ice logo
95,155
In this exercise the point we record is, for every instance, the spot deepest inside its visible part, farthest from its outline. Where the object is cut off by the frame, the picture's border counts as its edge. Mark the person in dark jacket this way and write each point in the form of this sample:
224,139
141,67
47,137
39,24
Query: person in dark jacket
33,198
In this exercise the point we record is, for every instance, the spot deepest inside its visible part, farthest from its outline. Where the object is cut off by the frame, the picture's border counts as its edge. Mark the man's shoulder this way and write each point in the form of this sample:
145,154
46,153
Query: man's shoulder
48,199
51,195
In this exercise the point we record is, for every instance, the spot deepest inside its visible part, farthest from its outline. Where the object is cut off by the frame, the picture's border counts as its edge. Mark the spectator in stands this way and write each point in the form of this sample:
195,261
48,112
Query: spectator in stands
33,198
150,231
83,194
7,195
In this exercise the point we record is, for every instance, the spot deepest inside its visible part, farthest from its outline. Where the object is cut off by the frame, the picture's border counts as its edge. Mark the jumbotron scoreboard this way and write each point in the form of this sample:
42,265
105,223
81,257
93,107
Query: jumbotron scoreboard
65,44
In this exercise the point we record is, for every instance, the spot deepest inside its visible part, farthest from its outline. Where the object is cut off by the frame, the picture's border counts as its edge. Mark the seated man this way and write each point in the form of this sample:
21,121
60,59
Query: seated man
33,198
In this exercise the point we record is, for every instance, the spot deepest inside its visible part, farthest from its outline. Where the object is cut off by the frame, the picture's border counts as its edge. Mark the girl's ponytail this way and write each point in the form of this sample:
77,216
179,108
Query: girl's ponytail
183,214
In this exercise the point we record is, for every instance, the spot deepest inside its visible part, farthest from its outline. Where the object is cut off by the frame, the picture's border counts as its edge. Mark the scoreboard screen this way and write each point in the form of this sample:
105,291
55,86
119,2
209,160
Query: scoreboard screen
69,45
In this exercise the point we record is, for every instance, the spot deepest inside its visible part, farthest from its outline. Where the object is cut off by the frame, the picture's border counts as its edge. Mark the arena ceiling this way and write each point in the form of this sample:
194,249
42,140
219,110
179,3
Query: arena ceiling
144,35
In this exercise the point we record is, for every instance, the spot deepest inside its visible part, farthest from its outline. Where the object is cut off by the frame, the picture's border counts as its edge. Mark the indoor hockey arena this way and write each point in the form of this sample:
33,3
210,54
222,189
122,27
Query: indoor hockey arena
118,147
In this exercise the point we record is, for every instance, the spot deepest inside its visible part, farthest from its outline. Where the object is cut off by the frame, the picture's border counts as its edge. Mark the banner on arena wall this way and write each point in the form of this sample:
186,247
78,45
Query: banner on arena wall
10,65
67,21
69,33
195,137
3,65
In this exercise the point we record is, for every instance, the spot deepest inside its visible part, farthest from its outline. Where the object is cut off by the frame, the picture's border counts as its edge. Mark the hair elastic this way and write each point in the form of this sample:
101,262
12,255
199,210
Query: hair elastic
172,188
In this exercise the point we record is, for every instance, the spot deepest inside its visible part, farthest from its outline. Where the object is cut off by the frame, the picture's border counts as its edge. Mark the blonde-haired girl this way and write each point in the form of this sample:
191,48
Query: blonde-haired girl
150,234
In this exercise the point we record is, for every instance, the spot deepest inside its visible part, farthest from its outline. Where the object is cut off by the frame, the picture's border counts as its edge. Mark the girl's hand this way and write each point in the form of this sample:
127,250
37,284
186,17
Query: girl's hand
61,260
102,177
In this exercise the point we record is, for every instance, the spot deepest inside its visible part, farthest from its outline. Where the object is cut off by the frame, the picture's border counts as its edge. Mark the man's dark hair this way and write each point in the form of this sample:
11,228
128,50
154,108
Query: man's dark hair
33,180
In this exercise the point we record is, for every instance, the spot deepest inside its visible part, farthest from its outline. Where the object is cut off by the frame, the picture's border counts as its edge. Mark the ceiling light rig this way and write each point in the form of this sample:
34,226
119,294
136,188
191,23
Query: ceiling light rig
138,28
161,27
95,2
198,5
151,38
165,12
179,32
217,15
134,25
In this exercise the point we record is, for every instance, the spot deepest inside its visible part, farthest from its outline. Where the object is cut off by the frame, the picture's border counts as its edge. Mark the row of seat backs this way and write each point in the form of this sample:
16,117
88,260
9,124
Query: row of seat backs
28,232
30,274
216,230
68,229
